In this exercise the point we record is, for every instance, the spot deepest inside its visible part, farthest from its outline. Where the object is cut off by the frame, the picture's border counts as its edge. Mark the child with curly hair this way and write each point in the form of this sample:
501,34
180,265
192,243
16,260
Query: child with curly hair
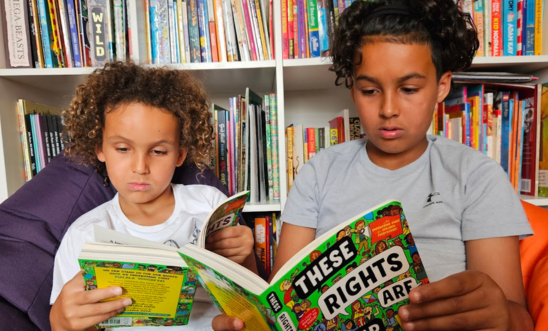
397,57
135,126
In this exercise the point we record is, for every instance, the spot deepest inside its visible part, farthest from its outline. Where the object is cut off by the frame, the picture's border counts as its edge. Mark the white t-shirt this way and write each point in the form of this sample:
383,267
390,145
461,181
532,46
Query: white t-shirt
193,203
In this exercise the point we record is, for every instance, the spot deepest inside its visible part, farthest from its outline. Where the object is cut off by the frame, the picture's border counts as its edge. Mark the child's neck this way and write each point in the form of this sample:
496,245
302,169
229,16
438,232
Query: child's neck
395,161
151,213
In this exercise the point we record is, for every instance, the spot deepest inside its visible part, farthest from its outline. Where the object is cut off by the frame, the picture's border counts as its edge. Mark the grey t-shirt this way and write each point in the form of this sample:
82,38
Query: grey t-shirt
450,194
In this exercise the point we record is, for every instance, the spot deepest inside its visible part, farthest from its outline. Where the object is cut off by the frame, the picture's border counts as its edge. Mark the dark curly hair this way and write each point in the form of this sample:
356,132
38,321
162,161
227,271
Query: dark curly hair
120,83
450,33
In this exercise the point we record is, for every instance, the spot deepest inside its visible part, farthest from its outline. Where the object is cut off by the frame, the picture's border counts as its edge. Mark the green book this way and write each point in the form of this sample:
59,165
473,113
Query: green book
354,277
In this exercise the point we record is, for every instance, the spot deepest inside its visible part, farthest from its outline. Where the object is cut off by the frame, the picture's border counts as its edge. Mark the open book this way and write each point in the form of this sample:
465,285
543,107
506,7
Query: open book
354,277
153,275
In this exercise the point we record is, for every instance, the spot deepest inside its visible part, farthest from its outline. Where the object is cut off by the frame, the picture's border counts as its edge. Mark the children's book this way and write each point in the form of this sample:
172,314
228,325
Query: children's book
354,277
153,275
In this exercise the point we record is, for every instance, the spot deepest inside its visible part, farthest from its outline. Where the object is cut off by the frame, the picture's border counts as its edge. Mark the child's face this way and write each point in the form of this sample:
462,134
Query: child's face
141,151
395,91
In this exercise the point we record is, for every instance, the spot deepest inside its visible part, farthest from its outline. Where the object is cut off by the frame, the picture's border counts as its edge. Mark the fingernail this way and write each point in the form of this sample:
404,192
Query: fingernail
238,324
127,302
409,327
404,313
117,290
417,297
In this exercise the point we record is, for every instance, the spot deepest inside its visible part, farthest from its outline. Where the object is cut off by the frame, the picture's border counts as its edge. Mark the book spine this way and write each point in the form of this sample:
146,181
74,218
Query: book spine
64,34
23,138
180,33
478,21
84,32
268,131
289,152
290,28
313,32
239,23
34,34
203,28
74,41
57,44
212,31
285,32
295,29
173,32
16,34
505,131
100,27
302,30
194,32
519,34
30,145
496,29
119,30
187,31
221,33
260,240
223,152
263,36
529,36
509,24
249,30
164,31
231,42
275,146
538,27
323,26
45,33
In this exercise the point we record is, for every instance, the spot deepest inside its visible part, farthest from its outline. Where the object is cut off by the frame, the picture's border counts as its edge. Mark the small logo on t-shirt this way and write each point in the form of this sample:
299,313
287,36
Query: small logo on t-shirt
432,198
172,243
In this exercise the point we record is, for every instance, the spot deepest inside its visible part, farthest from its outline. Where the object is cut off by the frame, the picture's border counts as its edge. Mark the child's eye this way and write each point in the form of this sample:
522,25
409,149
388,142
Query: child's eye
410,90
121,149
368,92
157,152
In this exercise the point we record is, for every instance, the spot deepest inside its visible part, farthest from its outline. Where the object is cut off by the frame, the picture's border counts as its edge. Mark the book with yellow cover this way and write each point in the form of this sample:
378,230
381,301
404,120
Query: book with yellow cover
153,275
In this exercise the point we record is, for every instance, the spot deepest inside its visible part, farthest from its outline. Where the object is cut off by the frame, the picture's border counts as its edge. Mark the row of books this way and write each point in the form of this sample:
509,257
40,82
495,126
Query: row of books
308,25
504,122
246,146
507,27
40,130
264,232
84,33
303,143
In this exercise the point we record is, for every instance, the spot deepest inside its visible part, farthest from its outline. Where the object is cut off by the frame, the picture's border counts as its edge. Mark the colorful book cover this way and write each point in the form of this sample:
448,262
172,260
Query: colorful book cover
509,24
289,145
263,31
313,28
478,21
285,32
355,277
538,27
240,27
212,31
496,28
56,35
543,143
153,275
519,34
120,29
248,28
45,33
74,35
83,20
100,26
194,32
502,102
529,31
221,33
230,32
268,131
222,133
323,26
531,135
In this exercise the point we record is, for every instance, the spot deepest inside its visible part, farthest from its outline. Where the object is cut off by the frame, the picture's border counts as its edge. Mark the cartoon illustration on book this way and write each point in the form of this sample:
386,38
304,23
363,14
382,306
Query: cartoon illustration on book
354,277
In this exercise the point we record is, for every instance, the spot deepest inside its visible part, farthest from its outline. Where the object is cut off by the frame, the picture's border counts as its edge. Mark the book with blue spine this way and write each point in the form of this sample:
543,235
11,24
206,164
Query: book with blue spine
45,32
71,11
203,29
509,22
529,30
313,31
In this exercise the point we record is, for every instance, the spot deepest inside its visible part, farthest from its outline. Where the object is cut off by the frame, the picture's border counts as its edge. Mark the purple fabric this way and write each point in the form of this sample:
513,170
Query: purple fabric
32,223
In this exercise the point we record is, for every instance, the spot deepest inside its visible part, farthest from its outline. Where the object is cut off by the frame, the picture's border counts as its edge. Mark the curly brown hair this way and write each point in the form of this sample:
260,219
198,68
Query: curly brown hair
120,83
450,33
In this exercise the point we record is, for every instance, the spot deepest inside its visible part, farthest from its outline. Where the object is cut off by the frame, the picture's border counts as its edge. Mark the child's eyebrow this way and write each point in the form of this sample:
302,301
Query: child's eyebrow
401,79
159,142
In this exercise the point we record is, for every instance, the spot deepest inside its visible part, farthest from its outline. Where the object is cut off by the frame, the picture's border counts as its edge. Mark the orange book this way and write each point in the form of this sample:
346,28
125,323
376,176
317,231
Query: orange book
261,242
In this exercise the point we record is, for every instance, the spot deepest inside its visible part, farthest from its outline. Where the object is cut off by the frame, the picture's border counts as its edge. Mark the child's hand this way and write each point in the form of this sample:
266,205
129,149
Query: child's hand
469,300
235,243
226,323
77,309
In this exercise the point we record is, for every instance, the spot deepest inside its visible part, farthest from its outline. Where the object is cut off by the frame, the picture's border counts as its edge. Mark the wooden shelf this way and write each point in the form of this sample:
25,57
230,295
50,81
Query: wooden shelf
262,207
537,201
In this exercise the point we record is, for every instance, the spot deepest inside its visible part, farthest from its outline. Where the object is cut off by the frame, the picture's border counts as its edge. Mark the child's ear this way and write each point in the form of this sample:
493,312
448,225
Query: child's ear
444,86
182,156
99,153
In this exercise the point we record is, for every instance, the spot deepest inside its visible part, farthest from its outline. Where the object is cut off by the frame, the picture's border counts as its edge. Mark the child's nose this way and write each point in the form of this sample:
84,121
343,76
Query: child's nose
389,106
140,164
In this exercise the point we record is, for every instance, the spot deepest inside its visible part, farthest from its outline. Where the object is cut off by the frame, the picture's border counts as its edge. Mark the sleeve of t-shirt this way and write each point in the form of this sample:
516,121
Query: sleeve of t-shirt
302,206
491,205
66,263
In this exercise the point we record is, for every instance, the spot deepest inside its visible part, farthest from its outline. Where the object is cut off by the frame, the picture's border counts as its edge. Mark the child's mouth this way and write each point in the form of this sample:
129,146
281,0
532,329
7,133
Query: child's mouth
138,186
391,132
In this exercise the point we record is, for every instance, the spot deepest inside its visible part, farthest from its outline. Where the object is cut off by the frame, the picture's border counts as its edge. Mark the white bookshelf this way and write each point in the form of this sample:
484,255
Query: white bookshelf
305,91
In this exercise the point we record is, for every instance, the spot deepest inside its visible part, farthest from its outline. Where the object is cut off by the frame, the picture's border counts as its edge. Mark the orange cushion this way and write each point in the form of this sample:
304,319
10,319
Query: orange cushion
534,263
